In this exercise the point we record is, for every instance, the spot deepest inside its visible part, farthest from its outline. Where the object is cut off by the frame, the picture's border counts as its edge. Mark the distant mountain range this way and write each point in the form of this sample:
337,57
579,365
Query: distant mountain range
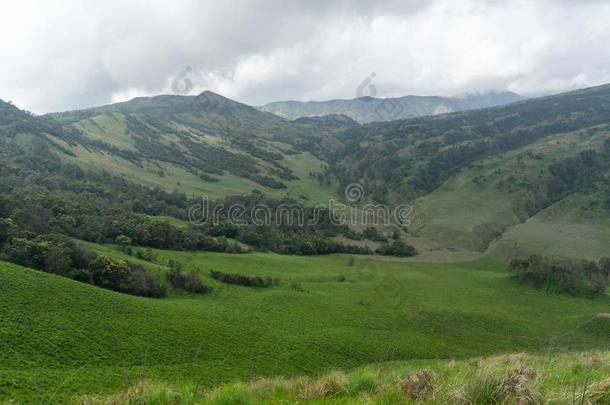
370,109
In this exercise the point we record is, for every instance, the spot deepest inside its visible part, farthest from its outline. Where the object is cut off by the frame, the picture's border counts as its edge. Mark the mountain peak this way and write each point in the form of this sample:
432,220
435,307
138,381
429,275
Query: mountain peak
210,93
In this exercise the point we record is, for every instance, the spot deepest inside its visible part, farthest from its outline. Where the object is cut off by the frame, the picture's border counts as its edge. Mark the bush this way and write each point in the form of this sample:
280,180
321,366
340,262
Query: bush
396,248
329,385
124,242
564,276
373,234
419,385
143,283
189,282
124,277
240,279
147,255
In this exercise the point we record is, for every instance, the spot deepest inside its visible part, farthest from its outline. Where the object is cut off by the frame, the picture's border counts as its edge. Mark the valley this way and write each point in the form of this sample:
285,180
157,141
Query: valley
96,218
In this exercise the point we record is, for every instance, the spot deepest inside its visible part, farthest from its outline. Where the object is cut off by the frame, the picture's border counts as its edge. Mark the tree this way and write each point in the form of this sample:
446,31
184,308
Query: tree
109,273
123,241
566,276
57,259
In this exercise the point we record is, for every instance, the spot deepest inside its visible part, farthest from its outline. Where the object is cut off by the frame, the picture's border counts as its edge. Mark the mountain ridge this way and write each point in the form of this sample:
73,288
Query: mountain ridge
369,109
222,147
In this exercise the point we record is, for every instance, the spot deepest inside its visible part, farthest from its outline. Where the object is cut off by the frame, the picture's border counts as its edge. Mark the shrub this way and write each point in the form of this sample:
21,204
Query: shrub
373,234
396,248
123,241
189,282
327,386
245,280
516,385
419,385
109,273
124,277
144,284
574,277
147,255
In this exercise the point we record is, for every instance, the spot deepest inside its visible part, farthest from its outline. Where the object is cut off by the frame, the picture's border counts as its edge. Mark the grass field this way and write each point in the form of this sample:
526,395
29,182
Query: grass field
62,339
514,378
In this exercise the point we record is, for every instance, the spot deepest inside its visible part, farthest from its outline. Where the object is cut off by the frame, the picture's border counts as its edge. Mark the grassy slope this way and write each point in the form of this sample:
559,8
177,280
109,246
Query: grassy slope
304,188
60,338
555,379
575,227
109,125
466,214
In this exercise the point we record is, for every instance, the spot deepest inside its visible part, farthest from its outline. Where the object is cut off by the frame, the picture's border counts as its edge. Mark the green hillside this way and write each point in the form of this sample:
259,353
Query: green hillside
204,145
512,378
471,176
476,205
577,226
61,338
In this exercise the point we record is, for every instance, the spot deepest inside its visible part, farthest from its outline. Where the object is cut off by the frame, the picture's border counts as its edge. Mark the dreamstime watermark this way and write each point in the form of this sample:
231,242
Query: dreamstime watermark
182,84
354,192
387,109
295,214
190,81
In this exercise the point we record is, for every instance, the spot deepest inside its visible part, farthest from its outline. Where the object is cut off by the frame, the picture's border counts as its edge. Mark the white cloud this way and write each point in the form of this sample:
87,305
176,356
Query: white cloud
64,54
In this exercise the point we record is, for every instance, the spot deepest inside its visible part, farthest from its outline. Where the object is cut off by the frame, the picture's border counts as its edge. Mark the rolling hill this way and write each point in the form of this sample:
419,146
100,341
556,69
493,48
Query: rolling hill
369,109
62,339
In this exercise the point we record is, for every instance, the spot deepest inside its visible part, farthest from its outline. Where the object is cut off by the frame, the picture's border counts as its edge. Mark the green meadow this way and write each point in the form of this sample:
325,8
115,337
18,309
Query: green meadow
62,339
515,378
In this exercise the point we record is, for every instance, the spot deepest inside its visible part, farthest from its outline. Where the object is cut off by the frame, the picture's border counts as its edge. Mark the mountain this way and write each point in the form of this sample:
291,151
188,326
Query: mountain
205,145
525,177
369,109
107,281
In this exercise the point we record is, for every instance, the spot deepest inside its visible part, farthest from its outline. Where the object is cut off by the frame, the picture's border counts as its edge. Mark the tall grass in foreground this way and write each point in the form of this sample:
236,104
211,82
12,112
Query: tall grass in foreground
580,378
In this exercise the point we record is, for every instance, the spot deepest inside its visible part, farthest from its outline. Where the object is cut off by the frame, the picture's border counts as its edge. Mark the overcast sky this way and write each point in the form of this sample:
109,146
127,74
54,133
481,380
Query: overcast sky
58,55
